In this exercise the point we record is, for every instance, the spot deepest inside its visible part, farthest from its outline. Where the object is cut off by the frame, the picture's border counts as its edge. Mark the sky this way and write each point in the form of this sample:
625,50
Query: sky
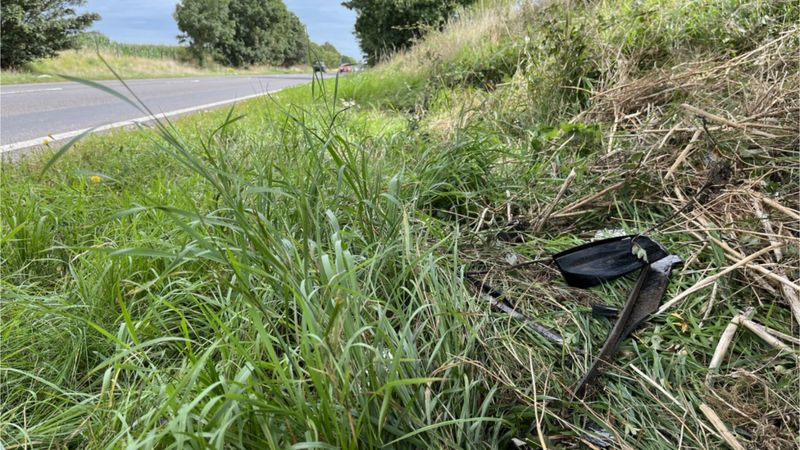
151,22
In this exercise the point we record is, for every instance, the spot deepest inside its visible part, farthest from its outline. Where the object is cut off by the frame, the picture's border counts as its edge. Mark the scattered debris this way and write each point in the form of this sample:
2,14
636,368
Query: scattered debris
722,163
642,302
597,262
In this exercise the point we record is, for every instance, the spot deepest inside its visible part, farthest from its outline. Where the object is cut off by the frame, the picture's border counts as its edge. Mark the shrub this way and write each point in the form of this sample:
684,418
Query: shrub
385,26
34,29
242,32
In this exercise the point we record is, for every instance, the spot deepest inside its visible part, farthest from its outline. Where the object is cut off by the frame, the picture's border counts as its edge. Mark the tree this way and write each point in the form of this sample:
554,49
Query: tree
328,53
243,32
295,50
34,29
206,25
385,26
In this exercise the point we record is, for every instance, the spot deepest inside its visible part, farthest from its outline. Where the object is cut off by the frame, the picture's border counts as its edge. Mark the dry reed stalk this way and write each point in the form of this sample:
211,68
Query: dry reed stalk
724,121
723,345
709,305
729,437
731,253
588,199
776,205
762,332
783,336
509,217
567,182
768,335
790,294
482,219
708,280
682,156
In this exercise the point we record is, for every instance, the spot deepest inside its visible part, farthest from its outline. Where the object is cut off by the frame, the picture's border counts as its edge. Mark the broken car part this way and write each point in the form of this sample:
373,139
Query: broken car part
642,301
605,260
597,262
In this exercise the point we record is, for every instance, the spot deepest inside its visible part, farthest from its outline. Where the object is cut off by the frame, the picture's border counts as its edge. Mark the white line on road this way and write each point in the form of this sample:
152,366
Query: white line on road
31,90
139,120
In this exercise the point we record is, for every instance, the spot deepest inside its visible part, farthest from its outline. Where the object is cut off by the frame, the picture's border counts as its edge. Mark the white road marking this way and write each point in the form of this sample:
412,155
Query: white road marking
139,120
31,90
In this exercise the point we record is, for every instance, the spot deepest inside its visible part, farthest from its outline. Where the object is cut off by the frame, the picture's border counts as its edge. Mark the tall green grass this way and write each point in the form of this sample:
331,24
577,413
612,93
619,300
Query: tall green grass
295,294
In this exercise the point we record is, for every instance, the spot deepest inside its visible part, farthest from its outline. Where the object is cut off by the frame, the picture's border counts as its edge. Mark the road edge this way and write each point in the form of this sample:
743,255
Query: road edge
8,149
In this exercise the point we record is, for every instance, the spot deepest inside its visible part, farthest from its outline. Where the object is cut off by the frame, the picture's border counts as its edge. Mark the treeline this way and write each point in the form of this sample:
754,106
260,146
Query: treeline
248,32
328,54
231,32
94,40
386,26
35,29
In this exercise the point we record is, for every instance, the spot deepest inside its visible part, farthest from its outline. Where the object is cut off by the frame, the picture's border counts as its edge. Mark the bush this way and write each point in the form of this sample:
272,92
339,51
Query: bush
242,32
327,53
385,26
34,29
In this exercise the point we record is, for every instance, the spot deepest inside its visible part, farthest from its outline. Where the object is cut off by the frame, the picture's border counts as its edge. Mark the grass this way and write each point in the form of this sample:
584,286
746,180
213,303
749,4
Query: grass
290,273
87,65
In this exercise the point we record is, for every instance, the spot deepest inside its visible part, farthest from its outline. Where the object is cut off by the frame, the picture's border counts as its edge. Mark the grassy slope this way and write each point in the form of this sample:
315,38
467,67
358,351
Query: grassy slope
296,275
85,64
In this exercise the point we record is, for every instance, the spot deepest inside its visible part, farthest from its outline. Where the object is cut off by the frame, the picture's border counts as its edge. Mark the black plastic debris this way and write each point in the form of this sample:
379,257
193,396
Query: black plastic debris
602,261
642,301
611,312
597,262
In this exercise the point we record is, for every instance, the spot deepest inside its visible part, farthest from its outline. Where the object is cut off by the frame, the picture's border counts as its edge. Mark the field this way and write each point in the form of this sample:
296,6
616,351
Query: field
134,62
291,273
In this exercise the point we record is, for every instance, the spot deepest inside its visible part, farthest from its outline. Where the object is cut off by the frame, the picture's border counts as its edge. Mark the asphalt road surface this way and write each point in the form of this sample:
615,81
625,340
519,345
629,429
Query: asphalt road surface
29,113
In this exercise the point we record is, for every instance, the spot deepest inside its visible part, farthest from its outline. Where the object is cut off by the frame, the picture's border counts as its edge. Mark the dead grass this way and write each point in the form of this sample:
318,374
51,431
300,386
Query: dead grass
86,64
490,23
713,140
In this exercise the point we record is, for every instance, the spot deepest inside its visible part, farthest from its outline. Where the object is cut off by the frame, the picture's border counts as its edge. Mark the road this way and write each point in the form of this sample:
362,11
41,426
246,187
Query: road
29,113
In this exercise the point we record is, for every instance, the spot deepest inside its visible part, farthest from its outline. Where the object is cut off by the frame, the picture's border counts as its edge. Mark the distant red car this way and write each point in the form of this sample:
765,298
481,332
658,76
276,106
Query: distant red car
346,68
